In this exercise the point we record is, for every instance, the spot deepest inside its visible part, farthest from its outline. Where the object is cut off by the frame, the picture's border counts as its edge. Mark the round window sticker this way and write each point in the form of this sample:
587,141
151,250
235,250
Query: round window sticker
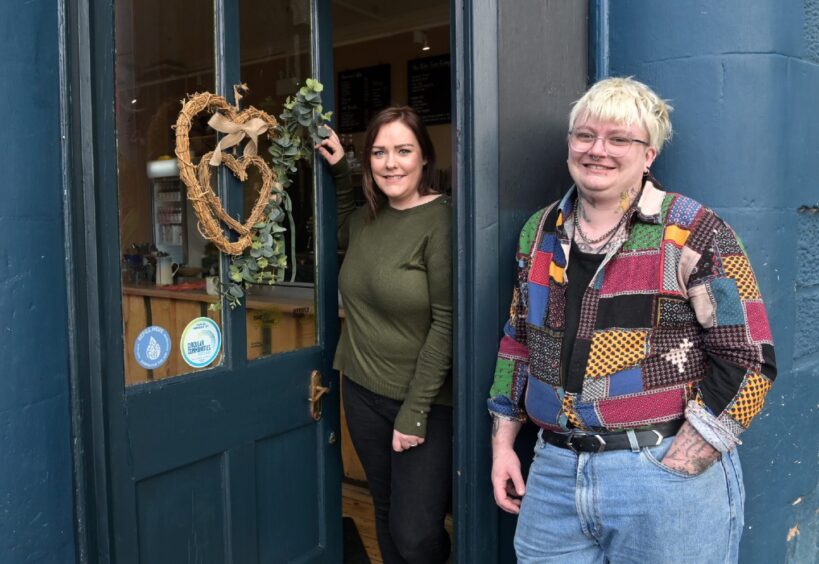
200,342
152,347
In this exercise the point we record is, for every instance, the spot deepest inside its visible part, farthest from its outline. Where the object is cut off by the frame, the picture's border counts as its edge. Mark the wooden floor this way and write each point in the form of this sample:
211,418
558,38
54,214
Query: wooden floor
357,503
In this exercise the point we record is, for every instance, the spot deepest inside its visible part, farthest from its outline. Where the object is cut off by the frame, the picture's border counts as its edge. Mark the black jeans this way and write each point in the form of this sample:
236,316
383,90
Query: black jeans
411,489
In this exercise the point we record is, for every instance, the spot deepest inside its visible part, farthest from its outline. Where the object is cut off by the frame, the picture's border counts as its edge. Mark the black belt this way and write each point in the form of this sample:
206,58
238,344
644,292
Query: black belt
584,441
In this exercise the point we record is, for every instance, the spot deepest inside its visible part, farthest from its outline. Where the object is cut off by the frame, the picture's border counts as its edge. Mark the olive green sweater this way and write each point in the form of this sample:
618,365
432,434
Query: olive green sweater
396,288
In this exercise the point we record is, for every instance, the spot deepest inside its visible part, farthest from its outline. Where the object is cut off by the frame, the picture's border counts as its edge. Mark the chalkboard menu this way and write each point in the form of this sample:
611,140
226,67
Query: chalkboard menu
428,88
362,93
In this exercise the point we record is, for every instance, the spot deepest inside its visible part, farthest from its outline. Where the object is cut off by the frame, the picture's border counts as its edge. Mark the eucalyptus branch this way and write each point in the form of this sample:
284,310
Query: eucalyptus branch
301,126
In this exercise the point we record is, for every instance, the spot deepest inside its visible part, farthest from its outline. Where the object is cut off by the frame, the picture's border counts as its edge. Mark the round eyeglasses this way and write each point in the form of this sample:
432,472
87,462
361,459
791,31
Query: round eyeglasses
614,145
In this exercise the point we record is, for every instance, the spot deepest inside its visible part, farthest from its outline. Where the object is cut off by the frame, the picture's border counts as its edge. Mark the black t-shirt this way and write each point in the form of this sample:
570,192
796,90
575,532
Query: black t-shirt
582,267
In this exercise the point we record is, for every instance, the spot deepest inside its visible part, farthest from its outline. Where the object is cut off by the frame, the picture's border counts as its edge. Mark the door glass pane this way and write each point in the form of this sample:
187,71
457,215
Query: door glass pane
275,59
164,51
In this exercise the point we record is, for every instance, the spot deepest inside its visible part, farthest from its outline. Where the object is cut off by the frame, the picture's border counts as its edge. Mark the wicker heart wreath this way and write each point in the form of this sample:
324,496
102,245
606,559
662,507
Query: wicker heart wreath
238,125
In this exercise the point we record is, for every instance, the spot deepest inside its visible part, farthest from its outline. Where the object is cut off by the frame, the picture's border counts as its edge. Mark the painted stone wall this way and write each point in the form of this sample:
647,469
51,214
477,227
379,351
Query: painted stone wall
36,500
743,77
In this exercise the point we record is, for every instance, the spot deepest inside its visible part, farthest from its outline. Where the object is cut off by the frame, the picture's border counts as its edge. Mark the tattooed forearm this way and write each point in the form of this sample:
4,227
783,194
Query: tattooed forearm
689,452
504,431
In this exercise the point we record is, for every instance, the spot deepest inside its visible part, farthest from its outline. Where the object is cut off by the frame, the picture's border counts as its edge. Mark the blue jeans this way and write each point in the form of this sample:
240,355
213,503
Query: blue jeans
623,506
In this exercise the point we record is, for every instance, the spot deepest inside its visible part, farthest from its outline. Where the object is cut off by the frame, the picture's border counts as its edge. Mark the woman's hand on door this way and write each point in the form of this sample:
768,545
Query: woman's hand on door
330,148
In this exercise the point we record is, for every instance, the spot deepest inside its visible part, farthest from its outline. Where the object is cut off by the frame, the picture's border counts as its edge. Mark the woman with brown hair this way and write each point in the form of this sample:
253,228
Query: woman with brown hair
395,350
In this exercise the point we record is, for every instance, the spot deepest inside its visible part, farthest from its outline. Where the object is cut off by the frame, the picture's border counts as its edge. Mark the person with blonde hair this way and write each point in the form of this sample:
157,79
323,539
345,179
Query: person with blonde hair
639,344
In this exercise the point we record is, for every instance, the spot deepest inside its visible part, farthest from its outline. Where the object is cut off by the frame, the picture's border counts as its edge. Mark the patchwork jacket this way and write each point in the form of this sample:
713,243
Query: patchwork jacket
672,315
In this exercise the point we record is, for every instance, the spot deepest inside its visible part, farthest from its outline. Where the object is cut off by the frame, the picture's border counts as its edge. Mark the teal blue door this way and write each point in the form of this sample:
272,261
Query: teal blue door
221,458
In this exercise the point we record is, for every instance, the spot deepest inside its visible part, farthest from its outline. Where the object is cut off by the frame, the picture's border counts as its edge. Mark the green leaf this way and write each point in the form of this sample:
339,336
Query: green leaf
235,291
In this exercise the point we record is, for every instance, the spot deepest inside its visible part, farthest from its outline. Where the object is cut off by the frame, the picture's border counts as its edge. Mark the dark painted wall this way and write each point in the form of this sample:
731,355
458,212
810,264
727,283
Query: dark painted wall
743,76
542,53
36,501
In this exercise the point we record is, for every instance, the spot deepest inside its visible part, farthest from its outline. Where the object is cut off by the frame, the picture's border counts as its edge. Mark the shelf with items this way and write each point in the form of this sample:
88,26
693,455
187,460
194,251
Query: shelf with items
168,209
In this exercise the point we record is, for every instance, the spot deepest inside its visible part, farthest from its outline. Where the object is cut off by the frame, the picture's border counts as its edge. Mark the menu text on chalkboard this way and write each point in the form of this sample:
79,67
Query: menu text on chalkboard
362,93
428,88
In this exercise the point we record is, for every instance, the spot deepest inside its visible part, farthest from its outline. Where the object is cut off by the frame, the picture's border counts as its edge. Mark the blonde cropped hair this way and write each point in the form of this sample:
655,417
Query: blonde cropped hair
626,101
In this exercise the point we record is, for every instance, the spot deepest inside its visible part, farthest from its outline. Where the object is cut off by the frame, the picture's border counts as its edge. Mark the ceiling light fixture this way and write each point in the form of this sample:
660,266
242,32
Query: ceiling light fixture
420,38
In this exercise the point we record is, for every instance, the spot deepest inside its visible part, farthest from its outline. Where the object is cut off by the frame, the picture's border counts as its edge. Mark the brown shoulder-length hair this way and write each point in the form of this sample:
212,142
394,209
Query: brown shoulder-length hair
406,115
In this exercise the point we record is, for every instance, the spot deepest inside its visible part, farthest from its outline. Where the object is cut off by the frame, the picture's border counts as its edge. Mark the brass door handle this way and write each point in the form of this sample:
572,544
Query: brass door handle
316,393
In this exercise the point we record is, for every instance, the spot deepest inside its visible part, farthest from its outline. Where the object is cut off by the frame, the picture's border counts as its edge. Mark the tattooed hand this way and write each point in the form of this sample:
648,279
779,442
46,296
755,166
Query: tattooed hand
690,453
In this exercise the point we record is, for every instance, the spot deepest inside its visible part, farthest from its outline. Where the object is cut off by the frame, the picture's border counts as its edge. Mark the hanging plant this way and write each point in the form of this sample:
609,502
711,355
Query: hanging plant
300,127
258,250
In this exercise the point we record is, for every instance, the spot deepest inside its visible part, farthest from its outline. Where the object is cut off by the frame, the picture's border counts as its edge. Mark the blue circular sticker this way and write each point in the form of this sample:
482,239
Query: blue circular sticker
200,342
152,347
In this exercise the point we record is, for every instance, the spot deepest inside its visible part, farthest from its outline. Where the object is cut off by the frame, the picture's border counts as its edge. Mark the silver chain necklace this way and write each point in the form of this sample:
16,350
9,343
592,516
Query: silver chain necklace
605,236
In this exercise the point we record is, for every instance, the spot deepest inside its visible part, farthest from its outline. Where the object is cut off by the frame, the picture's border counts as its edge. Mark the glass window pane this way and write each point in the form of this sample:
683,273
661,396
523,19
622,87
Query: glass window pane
275,59
164,51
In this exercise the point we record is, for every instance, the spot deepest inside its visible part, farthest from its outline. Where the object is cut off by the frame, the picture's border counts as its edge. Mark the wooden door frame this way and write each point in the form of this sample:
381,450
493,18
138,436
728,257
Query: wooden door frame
81,88
476,172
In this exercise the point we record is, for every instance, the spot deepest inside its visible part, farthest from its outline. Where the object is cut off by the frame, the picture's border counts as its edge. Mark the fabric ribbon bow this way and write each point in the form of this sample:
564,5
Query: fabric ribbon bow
235,132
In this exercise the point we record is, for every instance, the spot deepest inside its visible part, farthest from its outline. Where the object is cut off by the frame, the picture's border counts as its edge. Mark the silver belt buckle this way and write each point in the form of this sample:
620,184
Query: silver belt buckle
572,434
659,437
569,438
